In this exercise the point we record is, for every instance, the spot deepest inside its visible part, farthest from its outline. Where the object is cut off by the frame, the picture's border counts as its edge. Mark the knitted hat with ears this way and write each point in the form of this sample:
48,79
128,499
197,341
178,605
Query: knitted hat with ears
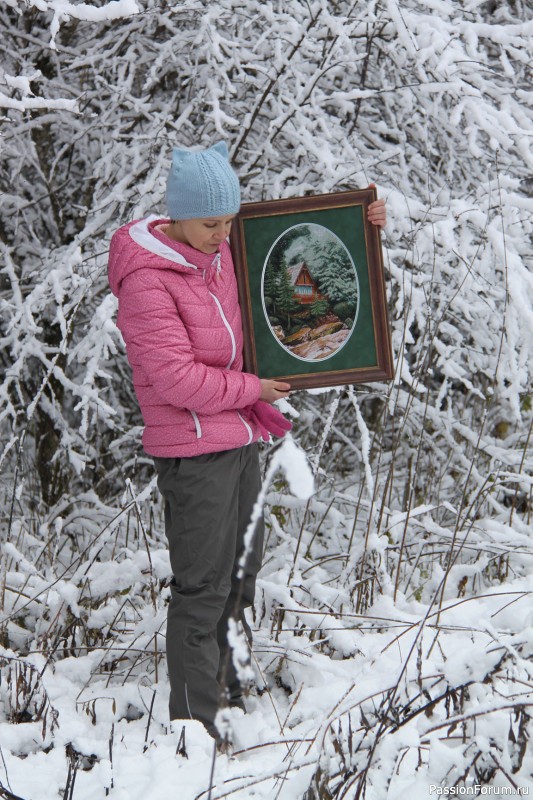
202,184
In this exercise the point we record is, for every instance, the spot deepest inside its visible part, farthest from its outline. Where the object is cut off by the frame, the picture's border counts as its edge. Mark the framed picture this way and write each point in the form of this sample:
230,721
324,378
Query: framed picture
312,290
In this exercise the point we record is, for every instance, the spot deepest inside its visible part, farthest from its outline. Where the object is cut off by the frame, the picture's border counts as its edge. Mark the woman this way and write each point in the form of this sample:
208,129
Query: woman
180,319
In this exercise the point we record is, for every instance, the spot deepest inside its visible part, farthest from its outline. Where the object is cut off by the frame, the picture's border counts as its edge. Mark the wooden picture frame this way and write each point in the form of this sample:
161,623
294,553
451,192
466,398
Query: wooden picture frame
312,290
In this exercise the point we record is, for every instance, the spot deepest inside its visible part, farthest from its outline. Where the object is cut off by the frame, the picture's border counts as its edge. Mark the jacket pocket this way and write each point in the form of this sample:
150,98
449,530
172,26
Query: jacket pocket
197,425
248,428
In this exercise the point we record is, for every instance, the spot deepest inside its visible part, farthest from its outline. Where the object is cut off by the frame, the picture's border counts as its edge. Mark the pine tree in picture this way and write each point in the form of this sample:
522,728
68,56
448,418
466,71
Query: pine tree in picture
284,296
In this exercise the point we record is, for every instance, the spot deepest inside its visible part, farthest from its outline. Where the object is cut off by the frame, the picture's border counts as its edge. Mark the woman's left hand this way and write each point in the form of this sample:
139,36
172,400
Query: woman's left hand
377,211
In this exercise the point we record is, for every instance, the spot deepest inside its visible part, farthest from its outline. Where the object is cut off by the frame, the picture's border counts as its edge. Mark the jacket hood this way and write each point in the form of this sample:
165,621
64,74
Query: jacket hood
138,246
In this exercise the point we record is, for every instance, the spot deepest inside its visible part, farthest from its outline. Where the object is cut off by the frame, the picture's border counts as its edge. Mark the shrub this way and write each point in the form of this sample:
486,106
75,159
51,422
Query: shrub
344,310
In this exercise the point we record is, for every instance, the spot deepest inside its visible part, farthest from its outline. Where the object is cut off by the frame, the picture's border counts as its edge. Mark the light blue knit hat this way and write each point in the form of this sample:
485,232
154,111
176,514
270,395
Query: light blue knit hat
202,184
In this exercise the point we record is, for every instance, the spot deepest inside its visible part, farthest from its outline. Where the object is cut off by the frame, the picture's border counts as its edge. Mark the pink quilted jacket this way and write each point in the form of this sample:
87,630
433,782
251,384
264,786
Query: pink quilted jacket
179,314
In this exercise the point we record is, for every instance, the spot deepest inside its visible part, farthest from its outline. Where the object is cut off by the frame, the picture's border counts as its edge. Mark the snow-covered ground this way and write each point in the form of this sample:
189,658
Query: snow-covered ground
314,704
409,693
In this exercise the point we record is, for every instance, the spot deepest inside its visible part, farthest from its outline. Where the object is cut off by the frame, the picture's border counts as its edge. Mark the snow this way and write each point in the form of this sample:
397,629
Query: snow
28,103
63,10
293,461
393,623
264,737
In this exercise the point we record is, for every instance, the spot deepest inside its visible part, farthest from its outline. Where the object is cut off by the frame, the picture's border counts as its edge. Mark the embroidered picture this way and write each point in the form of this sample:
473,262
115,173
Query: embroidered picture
310,292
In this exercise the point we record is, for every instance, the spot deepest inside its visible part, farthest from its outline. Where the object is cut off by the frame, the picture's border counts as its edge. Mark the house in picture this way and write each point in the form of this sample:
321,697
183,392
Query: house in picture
304,286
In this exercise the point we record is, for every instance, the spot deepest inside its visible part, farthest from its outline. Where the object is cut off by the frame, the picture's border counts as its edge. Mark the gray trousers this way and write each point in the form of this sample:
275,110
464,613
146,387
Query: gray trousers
208,504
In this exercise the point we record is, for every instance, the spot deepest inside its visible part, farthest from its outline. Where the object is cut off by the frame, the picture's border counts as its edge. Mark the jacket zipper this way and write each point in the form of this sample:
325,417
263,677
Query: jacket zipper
228,326
233,353
217,264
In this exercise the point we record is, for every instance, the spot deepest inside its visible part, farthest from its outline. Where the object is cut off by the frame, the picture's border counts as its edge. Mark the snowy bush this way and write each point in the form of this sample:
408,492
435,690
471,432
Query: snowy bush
393,623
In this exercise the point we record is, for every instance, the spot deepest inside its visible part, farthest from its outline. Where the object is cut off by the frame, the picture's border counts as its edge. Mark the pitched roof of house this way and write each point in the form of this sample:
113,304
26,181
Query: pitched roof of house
295,270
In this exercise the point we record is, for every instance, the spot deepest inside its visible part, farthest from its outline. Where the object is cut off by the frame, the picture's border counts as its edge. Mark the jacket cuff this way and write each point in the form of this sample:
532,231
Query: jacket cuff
253,389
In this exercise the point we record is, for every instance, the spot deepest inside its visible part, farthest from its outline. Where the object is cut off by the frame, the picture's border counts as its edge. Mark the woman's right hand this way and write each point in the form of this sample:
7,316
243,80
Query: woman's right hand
273,390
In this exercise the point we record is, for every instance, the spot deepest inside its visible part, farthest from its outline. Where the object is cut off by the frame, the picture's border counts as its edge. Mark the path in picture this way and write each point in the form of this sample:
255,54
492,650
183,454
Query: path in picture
310,292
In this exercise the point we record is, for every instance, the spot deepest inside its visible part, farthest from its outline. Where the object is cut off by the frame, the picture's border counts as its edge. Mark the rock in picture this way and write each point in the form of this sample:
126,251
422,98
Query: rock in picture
310,292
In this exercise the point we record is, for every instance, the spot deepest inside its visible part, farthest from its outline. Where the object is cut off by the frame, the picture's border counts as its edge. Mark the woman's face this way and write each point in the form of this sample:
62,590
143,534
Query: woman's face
205,234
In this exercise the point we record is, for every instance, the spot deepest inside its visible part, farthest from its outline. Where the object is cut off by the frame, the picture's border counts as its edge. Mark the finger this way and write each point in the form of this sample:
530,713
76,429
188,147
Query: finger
279,386
377,210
